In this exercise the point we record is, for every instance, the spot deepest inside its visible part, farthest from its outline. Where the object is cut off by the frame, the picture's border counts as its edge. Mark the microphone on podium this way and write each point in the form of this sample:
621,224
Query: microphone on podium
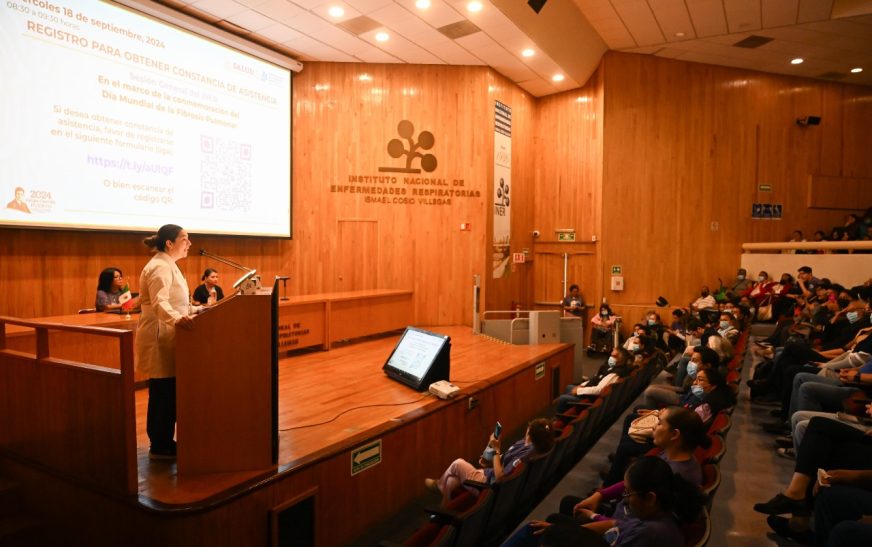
249,283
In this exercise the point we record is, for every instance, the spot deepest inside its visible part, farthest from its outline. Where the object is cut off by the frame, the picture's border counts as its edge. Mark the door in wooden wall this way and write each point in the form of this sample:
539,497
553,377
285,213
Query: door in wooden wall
356,263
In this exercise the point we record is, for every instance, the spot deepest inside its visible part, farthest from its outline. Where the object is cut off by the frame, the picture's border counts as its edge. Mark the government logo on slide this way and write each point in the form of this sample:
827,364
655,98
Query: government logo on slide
397,148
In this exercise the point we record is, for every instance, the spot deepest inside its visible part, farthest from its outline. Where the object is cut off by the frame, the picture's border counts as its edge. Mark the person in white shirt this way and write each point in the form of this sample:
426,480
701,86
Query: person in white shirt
617,366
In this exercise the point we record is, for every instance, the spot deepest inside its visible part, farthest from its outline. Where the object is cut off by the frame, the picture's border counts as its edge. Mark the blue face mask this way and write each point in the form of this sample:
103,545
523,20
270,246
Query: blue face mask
853,316
697,390
652,322
612,362
724,324
691,369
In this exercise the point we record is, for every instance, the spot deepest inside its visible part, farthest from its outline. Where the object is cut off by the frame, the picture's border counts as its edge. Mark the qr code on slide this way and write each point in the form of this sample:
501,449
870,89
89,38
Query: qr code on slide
225,174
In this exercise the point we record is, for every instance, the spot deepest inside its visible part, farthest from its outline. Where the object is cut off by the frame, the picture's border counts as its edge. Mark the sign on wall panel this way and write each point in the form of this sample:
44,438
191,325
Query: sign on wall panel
502,189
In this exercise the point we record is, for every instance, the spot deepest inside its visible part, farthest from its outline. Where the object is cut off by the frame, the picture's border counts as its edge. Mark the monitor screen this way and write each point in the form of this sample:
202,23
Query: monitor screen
416,354
120,121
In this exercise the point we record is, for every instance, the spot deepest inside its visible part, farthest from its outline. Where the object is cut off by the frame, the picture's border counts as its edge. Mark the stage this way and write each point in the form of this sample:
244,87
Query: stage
353,444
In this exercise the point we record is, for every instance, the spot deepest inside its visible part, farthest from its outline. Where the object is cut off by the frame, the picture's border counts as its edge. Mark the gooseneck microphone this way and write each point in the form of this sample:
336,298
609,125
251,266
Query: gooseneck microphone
223,260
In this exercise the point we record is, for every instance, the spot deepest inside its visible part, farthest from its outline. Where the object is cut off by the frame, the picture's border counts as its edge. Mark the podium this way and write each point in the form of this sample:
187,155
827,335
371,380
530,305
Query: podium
227,387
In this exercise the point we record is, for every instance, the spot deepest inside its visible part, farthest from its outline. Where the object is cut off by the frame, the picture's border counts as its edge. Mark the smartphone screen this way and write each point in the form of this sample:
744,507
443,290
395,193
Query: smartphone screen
497,430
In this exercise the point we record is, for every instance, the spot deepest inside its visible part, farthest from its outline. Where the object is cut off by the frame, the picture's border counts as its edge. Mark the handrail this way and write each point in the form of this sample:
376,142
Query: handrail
42,350
98,331
809,246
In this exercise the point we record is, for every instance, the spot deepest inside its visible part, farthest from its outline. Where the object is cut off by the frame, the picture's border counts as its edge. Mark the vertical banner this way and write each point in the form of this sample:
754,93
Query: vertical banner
502,185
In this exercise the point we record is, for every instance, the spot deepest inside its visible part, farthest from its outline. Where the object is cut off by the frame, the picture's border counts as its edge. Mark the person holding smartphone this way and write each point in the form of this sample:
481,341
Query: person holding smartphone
539,439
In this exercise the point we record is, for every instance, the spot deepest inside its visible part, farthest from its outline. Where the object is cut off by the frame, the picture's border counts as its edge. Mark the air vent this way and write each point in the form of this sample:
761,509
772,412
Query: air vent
832,76
459,29
753,41
359,25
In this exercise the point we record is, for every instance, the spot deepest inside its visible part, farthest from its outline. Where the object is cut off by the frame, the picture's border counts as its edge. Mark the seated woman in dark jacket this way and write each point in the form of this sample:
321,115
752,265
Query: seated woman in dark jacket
708,395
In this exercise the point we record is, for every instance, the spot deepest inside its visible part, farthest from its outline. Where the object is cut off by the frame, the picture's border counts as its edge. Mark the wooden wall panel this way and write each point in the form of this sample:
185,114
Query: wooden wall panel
646,156
686,146
342,125
568,182
358,255
844,193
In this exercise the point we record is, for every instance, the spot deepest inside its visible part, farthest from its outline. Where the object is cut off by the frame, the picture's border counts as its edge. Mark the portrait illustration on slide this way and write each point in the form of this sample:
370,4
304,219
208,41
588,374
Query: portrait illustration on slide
18,202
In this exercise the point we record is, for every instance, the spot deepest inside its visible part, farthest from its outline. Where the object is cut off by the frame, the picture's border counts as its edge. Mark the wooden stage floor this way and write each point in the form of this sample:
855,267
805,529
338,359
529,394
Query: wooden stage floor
331,401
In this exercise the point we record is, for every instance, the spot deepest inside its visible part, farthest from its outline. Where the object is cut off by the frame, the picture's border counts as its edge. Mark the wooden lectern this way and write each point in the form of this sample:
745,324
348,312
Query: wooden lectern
226,387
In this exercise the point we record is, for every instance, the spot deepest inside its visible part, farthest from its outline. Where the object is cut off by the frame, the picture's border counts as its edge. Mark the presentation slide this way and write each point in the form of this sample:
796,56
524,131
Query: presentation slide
114,120
415,352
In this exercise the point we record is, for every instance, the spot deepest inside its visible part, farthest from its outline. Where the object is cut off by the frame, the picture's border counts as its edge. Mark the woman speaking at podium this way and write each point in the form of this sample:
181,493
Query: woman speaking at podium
165,306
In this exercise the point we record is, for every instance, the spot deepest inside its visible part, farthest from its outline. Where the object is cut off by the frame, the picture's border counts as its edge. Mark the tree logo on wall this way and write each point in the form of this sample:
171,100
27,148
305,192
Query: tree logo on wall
502,194
397,148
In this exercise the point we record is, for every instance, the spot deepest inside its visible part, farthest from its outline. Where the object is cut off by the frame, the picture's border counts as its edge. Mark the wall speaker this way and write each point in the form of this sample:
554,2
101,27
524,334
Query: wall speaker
537,5
809,120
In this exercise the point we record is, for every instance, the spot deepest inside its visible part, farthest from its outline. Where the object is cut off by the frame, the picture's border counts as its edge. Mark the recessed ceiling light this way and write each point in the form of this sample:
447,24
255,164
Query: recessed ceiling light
797,61
558,77
679,34
422,4
382,37
856,70
528,52
336,11
474,6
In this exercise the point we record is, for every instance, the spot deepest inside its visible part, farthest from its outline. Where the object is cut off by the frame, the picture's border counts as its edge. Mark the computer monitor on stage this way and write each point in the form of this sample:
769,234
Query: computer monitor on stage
419,358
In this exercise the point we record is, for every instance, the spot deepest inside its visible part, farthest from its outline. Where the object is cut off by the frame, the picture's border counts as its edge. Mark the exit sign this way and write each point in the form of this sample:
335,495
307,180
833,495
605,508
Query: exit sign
616,270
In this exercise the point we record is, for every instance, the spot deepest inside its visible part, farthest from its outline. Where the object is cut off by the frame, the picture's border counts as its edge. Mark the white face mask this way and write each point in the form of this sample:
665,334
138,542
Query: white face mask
612,362
761,279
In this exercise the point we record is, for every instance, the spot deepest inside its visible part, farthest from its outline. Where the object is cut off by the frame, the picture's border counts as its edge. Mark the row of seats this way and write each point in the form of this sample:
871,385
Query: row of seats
486,518
697,534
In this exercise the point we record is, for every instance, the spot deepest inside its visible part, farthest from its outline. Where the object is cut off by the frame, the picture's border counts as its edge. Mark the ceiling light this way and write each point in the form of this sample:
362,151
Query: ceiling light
336,11
558,77
422,4
679,35
474,6
382,37
528,52
856,70
797,61
365,77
